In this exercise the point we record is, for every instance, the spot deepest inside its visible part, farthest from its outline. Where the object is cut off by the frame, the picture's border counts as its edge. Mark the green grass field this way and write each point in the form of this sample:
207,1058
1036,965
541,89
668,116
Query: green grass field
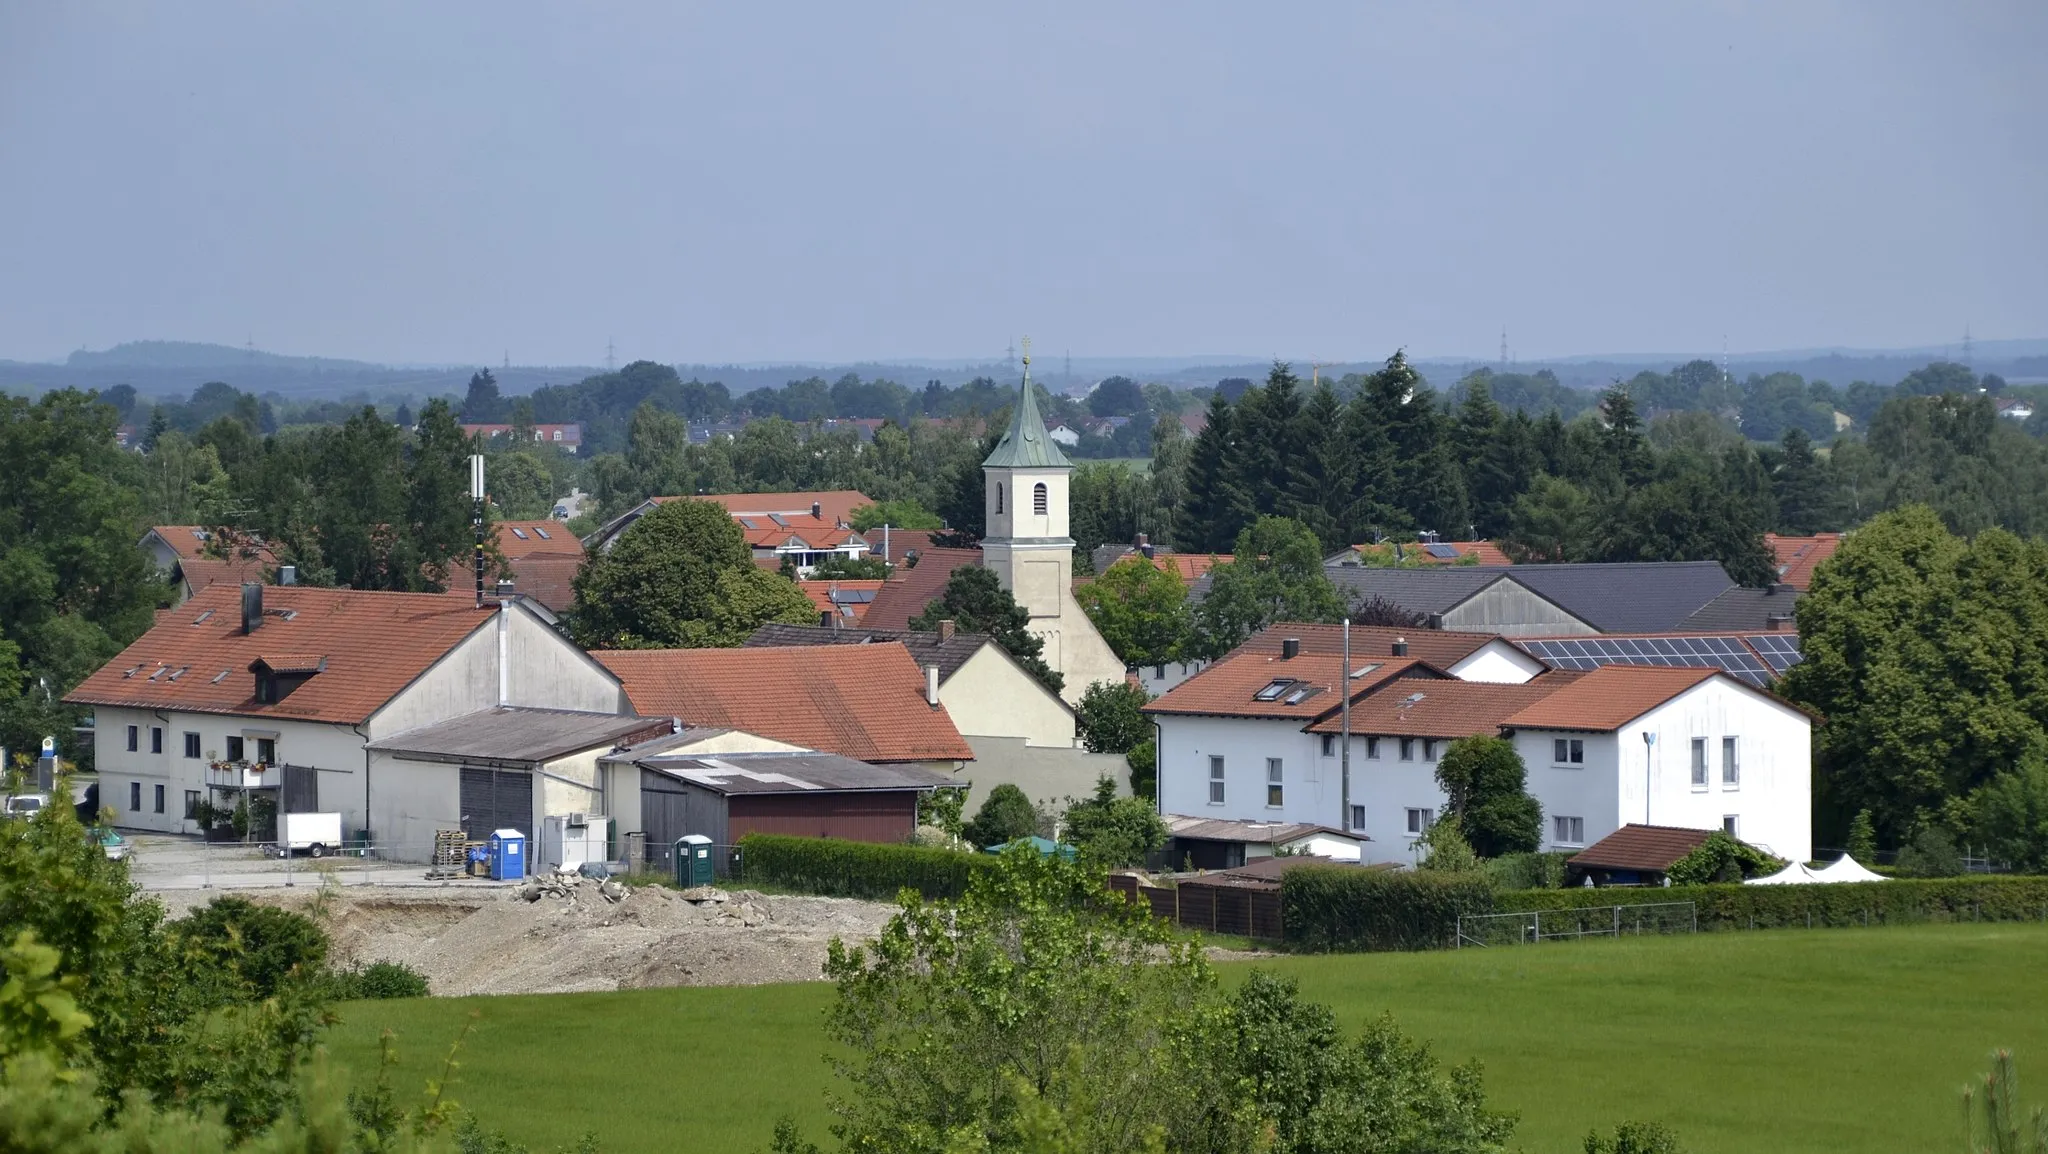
1827,1040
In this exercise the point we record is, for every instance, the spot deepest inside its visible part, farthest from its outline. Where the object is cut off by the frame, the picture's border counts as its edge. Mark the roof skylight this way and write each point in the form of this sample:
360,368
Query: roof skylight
1274,689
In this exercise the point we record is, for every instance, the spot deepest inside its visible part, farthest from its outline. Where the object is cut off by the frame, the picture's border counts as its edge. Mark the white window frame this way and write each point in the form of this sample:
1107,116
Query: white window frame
192,744
1419,820
1699,764
1567,830
1731,763
1215,779
1276,783
1568,752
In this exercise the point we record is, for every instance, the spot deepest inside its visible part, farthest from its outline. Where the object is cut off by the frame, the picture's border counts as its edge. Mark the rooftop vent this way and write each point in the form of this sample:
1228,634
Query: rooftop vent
817,510
252,607
287,574
1290,648
505,590
1400,647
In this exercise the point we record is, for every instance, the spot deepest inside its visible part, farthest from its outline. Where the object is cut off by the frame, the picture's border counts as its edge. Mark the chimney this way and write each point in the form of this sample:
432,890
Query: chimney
1290,648
1144,539
931,686
252,606
946,628
1779,623
1400,647
826,618
287,574
505,590
817,510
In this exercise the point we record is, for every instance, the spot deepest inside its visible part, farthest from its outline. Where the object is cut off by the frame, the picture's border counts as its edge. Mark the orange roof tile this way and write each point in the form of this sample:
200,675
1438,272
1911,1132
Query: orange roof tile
860,701
549,578
200,572
1484,552
1443,708
518,539
1798,556
907,591
1440,647
834,504
1609,697
820,593
1233,686
196,658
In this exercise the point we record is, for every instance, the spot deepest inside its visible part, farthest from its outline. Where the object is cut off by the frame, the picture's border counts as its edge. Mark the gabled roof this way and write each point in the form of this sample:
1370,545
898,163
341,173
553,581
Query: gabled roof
1609,697
1425,591
187,541
1439,647
509,733
200,572
1650,848
758,773
925,648
1265,685
1450,709
517,539
908,590
1619,597
1026,445
196,658
834,505
1797,557
894,545
1740,609
1188,565
863,701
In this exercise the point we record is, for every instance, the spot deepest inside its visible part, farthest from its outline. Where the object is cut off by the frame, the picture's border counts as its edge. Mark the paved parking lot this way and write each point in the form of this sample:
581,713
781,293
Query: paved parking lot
161,861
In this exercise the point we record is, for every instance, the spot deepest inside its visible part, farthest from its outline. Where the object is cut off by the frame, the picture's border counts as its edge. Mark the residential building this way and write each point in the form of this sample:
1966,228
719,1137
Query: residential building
278,692
844,602
868,702
1022,733
828,507
1427,550
1756,658
1025,483
517,540
191,560
1188,566
2014,408
1740,608
911,588
1063,435
567,436
1798,557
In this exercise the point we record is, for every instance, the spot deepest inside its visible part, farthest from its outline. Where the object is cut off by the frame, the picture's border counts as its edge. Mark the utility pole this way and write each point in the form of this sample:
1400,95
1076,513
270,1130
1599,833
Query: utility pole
1344,754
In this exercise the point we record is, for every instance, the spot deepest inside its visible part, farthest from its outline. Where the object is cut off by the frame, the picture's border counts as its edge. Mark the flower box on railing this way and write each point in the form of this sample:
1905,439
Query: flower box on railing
240,775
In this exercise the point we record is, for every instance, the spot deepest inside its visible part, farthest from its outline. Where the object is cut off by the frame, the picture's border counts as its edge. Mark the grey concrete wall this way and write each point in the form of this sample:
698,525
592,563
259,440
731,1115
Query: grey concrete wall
1047,776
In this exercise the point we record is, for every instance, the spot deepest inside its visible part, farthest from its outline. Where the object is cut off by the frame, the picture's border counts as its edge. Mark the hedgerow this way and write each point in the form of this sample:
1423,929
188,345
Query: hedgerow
857,869
1341,908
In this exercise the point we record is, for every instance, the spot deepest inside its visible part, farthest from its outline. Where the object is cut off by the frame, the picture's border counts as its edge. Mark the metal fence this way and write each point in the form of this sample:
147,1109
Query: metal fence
1513,929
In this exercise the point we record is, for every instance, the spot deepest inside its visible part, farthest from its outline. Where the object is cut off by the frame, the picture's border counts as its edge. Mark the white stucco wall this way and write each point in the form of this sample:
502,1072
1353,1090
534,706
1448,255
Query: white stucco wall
992,696
1309,785
334,750
1498,662
410,802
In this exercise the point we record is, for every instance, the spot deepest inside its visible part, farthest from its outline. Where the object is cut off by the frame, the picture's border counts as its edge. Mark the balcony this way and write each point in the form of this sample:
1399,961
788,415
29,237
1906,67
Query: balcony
242,775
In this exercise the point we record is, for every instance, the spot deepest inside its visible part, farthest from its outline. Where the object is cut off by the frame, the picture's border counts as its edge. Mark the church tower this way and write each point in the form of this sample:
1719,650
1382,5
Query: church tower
1027,545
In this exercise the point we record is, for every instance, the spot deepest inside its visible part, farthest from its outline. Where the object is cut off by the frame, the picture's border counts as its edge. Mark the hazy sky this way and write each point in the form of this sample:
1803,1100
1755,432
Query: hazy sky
743,182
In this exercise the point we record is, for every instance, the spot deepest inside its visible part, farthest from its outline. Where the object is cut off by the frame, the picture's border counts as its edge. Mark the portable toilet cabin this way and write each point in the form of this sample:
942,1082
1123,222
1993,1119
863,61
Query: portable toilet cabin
693,861
508,855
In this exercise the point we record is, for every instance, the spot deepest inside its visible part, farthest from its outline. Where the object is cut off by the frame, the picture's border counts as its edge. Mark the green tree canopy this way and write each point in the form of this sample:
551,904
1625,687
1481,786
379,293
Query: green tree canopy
1109,719
1115,832
1486,784
680,576
1141,610
1005,815
975,600
1276,575
904,513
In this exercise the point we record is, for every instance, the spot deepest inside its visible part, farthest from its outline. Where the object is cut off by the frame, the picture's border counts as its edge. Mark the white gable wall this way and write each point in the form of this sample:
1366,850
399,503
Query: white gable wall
1499,662
992,696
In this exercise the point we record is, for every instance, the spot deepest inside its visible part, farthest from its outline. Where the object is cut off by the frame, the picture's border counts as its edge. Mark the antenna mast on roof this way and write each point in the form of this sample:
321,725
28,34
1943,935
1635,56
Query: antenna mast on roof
476,519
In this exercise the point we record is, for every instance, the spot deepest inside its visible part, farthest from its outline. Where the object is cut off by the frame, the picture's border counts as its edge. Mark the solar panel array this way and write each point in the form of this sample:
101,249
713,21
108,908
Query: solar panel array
1440,551
1727,653
1780,650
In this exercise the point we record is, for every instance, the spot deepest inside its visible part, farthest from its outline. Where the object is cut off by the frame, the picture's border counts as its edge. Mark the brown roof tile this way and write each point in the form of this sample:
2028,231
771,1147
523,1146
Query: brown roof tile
847,608
1798,556
1609,697
949,654
517,539
862,701
1641,847
1439,647
907,591
548,578
1231,687
1450,709
835,505
196,658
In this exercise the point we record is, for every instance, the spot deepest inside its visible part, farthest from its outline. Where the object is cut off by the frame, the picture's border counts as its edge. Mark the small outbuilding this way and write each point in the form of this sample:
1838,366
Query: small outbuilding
1219,844
1634,855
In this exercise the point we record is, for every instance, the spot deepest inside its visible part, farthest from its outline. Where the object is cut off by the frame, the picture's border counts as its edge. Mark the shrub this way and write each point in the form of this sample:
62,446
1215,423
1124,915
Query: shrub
257,948
1005,815
855,869
1114,831
1863,838
1635,1138
1527,871
1932,854
1486,782
1982,897
1144,762
1338,908
1721,858
378,980
1449,852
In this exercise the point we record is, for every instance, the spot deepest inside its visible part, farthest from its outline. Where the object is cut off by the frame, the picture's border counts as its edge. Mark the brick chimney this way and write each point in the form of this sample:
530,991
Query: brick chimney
946,628
252,606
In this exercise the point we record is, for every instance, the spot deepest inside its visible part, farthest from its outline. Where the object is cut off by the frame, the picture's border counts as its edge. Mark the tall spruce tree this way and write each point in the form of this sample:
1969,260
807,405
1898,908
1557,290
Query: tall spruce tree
1216,507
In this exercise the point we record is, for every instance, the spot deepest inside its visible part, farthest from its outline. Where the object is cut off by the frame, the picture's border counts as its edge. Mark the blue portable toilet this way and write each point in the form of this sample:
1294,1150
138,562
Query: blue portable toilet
508,855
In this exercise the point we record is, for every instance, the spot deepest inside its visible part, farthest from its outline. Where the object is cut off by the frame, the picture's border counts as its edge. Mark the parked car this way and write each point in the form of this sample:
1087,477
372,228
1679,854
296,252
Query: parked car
25,804
111,843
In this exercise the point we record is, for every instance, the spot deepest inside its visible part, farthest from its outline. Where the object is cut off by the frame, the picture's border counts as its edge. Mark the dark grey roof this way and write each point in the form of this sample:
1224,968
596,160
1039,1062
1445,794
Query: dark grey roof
1438,589
925,648
514,734
1744,609
1612,597
731,773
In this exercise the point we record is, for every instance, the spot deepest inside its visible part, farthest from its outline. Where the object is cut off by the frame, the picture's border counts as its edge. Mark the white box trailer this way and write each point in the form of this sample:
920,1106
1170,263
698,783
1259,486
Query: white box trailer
317,834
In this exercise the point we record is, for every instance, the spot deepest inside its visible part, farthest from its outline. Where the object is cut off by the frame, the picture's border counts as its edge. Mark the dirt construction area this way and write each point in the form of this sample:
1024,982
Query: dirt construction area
574,937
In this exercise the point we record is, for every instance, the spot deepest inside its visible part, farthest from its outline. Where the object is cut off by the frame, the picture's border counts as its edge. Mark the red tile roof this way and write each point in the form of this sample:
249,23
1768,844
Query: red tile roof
860,701
549,578
834,504
900,542
200,572
1482,552
820,593
1230,688
1440,647
907,591
1798,556
518,539
187,541
1450,709
1655,848
196,658
1609,697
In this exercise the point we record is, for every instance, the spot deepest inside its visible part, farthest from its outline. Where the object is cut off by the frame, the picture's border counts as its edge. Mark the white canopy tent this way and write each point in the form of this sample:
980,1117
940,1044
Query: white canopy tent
1795,874
1846,869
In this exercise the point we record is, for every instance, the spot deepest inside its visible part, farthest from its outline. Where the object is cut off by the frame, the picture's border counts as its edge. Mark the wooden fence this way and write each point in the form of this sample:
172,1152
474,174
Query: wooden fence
1246,911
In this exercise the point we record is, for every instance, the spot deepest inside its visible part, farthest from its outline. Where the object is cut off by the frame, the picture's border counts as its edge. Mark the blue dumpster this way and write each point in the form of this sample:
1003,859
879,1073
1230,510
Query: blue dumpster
508,855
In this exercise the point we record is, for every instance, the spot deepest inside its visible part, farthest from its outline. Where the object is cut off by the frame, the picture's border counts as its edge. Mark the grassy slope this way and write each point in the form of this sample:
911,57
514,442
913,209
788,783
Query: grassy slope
1838,1040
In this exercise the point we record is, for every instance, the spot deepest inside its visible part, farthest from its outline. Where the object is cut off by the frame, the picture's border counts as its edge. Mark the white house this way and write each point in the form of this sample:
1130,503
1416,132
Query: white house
1258,737
280,691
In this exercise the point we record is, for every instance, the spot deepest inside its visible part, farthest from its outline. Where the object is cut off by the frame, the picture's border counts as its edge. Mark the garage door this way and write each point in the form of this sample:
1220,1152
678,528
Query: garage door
495,799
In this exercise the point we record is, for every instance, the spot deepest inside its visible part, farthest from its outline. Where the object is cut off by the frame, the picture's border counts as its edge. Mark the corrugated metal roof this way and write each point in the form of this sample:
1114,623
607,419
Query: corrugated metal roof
731,773
509,733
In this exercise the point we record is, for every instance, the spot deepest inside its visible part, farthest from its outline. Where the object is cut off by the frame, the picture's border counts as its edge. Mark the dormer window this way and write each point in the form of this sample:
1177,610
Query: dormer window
277,677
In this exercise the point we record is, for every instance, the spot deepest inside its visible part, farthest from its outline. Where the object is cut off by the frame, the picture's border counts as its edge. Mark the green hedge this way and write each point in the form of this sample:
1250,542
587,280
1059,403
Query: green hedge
1983,897
1339,908
855,869
1342,909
